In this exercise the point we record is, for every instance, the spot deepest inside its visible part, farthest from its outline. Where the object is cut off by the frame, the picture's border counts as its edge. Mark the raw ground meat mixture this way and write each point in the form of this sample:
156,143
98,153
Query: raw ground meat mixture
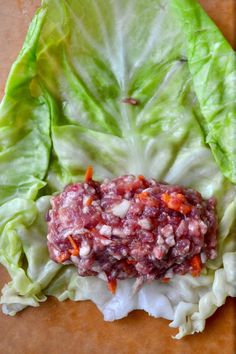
131,227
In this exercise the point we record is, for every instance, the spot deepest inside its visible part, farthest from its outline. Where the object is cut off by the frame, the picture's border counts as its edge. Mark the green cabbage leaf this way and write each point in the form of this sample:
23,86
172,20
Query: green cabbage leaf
63,110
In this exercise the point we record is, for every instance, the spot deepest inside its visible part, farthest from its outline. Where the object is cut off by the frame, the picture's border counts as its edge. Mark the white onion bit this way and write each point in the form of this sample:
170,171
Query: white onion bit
121,208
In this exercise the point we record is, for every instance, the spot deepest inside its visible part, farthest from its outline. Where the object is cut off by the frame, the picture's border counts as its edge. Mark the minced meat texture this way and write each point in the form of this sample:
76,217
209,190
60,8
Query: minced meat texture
132,227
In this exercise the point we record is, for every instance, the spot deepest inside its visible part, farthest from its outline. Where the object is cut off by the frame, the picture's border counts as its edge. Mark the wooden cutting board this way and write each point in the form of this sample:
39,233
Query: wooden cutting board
69,327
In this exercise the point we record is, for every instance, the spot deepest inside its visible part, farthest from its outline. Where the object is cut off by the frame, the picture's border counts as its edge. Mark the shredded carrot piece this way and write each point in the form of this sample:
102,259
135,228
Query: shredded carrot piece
89,201
147,199
63,257
88,174
111,285
165,280
73,244
141,178
177,203
165,198
74,252
196,265
143,196
185,208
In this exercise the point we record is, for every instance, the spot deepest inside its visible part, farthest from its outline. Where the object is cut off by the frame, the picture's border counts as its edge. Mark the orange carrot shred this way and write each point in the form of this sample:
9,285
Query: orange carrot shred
88,174
165,198
165,280
73,244
185,208
89,201
74,252
111,285
141,177
196,265
177,203
143,196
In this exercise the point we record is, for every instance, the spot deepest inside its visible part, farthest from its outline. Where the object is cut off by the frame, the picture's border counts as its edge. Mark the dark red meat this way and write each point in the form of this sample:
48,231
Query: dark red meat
131,227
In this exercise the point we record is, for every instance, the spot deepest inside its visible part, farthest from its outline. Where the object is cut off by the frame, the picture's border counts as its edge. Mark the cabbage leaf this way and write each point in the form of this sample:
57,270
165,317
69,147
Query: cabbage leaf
63,110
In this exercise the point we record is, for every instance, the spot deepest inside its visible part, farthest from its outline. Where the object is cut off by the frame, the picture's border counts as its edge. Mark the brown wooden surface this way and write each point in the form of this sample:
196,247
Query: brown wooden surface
68,328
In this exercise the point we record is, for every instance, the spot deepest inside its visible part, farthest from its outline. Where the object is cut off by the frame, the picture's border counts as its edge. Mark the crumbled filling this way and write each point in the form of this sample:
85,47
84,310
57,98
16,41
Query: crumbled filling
131,227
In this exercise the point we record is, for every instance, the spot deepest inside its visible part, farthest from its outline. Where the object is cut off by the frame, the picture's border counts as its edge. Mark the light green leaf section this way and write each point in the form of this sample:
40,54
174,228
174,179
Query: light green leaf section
212,64
24,125
63,111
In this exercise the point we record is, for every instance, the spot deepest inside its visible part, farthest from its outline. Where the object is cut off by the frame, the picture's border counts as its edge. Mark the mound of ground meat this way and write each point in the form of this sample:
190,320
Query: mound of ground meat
131,227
